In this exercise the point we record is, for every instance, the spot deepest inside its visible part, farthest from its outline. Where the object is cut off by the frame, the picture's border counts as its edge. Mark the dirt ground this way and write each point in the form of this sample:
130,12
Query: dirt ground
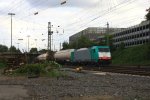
7,92
77,86
105,97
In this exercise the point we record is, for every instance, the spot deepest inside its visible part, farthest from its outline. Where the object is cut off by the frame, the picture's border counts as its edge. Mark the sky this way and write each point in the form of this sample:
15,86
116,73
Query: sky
66,19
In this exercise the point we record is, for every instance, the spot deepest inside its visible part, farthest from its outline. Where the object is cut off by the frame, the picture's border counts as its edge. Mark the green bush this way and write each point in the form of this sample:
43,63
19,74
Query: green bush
52,64
2,64
45,69
138,55
35,69
31,69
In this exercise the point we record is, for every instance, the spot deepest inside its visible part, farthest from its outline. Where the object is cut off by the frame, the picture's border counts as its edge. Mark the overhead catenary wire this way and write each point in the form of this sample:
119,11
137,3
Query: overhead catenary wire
74,25
91,20
103,13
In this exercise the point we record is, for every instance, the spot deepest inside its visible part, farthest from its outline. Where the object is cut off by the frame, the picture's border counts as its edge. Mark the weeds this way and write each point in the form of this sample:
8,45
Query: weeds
50,69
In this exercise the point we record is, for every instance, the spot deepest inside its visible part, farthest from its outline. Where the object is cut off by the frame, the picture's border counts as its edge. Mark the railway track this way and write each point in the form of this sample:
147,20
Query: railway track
128,70
117,69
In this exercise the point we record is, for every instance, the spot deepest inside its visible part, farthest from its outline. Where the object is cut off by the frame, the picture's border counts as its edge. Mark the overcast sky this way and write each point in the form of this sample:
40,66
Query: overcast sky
72,17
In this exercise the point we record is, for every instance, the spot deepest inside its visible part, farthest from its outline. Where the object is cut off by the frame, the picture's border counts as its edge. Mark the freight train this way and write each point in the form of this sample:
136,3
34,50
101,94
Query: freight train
95,55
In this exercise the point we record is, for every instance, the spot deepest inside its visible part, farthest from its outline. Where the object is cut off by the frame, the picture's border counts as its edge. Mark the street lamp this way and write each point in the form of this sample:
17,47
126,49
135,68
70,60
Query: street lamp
11,14
20,39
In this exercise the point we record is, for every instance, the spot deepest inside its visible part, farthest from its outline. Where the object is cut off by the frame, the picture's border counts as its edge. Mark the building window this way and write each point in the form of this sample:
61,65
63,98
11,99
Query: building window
147,27
143,41
146,33
137,28
140,41
141,28
137,35
144,27
117,34
134,29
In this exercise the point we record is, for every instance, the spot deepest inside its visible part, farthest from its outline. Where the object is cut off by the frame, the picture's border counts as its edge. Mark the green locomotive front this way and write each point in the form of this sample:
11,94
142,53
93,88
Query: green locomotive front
96,55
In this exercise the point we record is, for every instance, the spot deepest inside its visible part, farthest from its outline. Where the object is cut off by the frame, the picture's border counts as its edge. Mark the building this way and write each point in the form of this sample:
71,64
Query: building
92,33
132,36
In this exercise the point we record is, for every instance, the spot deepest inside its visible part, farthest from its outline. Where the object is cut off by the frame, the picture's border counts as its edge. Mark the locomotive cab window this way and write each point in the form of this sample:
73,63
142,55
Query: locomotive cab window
103,49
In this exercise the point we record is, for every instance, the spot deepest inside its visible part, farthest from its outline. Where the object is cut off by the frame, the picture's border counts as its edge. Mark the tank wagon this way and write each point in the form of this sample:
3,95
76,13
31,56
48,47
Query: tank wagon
63,56
95,55
43,57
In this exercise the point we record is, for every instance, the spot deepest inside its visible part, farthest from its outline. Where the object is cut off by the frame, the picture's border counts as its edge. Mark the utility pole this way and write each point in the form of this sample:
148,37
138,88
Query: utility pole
60,46
28,42
49,36
107,34
52,42
11,14
54,47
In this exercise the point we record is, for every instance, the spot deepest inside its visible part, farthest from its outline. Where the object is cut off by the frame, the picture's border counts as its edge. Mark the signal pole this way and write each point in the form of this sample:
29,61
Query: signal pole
11,14
107,34
49,36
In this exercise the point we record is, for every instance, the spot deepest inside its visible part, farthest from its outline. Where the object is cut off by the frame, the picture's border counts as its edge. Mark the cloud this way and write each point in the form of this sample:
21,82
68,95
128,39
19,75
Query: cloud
4,7
43,3
70,17
57,3
82,3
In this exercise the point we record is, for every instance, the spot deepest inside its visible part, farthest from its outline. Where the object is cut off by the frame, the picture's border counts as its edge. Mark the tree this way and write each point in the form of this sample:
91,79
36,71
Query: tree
148,14
65,45
112,47
13,49
18,51
3,48
43,51
33,50
83,42
148,53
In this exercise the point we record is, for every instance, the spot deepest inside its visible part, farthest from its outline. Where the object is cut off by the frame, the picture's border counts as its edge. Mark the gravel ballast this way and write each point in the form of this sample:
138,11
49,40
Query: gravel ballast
82,86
